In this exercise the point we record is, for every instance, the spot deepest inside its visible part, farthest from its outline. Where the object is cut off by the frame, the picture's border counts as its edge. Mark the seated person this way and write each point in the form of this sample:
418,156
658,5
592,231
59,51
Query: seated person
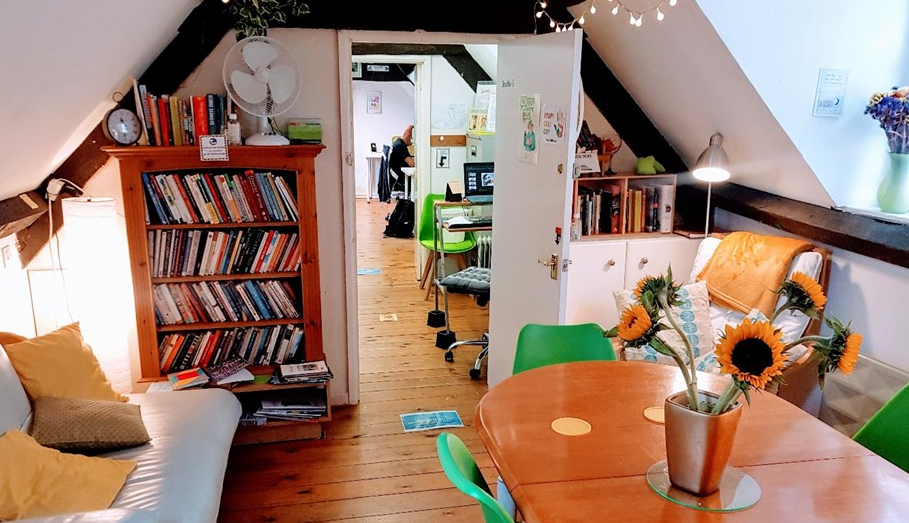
400,157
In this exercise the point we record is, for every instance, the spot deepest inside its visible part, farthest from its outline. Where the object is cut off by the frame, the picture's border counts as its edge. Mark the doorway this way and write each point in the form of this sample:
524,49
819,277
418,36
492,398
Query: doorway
424,182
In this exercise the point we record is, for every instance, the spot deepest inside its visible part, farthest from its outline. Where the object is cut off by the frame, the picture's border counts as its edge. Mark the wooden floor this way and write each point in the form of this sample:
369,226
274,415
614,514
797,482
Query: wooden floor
367,469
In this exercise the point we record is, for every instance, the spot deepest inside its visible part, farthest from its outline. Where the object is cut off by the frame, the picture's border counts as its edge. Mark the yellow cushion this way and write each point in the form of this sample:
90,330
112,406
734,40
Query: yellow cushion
60,364
37,481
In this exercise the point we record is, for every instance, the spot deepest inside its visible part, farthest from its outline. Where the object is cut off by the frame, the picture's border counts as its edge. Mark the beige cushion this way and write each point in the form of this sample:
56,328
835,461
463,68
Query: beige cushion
693,317
87,426
60,364
37,481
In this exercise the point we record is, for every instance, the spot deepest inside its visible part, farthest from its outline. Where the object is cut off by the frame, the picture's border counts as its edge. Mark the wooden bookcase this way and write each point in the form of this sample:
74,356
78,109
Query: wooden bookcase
610,200
294,163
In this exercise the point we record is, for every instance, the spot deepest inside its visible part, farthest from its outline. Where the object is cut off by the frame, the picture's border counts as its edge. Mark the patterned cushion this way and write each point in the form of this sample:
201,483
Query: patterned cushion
692,316
469,280
87,426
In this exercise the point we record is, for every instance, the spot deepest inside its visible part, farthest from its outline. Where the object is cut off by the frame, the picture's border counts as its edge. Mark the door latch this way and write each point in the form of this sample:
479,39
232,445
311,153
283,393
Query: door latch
553,264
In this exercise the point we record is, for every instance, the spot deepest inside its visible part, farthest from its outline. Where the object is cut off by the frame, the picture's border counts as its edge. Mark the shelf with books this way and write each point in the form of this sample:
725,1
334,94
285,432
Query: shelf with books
623,205
257,268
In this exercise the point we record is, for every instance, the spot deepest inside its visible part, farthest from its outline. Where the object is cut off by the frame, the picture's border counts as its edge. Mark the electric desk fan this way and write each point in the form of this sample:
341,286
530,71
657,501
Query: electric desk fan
263,79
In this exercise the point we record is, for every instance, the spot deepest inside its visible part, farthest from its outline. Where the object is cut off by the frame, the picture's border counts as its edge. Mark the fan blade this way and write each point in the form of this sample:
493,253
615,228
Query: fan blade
259,54
282,81
247,87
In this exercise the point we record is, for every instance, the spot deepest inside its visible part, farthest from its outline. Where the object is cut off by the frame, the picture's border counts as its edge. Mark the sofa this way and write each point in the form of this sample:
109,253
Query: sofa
178,474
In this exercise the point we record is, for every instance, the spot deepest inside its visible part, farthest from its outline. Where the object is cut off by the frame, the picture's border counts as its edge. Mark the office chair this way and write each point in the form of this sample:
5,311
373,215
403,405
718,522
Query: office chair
472,280
425,236
885,432
540,345
463,472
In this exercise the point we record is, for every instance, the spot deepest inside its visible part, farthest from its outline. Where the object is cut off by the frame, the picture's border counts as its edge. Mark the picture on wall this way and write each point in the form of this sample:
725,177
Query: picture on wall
374,102
356,70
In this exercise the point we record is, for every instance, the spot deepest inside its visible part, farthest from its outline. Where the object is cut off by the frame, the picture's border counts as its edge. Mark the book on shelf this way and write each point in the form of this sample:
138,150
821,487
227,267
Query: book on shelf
667,207
188,378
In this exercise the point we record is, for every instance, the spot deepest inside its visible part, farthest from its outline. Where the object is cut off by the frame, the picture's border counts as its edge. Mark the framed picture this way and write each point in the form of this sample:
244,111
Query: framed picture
356,70
374,102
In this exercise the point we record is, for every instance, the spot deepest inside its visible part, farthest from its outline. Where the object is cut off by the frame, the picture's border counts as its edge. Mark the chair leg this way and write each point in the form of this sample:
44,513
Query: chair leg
427,270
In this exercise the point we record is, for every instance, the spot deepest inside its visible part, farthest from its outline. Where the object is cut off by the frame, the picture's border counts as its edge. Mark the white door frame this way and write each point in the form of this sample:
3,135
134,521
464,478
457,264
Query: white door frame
346,39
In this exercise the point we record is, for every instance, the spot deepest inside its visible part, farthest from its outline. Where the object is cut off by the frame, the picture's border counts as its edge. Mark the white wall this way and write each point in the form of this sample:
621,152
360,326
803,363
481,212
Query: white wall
449,91
397,113
863,290
848,152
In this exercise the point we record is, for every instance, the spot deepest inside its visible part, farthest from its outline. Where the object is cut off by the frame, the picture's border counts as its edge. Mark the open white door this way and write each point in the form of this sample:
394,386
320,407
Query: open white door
532,196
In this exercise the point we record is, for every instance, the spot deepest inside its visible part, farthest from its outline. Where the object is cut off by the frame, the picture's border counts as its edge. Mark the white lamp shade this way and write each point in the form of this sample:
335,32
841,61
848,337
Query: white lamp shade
712,163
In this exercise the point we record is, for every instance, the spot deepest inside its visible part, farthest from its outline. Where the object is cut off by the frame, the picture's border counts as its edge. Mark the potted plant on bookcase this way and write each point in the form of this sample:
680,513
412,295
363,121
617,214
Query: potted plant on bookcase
254,17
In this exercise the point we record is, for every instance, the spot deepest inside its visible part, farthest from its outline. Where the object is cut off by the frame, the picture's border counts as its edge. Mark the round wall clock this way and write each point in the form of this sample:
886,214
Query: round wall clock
122,126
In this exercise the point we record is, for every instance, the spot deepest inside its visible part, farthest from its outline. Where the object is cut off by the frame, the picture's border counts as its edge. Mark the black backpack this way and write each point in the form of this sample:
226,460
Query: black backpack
400,221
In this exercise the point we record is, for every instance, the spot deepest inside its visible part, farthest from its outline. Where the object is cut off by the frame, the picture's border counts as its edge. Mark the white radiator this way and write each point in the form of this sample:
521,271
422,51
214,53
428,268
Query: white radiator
849,401
484,250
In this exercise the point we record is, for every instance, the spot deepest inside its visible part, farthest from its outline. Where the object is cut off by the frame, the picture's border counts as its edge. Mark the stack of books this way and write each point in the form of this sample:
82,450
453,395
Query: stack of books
306,372
305,405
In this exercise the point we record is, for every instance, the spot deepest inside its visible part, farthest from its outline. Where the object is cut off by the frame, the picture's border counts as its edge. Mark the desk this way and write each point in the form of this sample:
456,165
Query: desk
408,181
374,163
807,471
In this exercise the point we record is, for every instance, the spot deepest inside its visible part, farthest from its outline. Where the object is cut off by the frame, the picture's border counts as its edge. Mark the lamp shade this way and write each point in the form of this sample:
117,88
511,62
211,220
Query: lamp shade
712,163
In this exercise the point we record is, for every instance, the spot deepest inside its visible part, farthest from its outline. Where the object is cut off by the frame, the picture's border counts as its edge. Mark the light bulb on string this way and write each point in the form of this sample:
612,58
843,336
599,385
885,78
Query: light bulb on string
544,5
581,20
615,10
639,21
631,19
660,15
673,2
539,14
593,9
552,23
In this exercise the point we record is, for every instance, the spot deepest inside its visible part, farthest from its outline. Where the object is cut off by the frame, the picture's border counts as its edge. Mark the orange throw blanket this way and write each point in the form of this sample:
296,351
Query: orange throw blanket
747,268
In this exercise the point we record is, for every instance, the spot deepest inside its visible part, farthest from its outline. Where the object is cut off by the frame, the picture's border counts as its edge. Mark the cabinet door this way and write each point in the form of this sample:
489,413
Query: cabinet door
653,257
597,269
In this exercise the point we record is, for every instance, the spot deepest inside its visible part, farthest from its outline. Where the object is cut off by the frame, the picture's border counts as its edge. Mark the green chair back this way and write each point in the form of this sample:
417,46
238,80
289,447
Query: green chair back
462,471
424,229
885,432
540,345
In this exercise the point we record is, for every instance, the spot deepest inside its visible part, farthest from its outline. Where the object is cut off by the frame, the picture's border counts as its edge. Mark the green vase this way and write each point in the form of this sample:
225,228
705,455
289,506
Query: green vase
893,194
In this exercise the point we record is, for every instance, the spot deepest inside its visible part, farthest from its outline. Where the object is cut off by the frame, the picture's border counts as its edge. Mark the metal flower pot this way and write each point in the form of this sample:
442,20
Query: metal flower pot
698,444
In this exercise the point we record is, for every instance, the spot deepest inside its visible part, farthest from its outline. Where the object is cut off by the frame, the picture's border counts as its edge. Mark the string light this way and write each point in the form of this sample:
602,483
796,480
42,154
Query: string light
635,18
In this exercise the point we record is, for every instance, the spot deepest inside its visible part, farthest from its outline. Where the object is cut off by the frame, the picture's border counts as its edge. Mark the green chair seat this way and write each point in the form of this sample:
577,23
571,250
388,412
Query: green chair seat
886,432
462,471
424,230
540,345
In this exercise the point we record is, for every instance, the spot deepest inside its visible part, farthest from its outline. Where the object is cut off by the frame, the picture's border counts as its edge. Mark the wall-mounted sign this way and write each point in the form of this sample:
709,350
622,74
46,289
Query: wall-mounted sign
831,91
377,68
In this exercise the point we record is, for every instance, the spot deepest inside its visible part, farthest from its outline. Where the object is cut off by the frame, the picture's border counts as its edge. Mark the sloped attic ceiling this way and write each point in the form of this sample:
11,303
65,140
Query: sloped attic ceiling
61,61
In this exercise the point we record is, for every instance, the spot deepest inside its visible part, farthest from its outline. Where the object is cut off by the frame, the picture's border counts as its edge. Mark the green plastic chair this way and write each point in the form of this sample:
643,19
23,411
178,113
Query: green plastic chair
424,235
462,471
540,345
885,432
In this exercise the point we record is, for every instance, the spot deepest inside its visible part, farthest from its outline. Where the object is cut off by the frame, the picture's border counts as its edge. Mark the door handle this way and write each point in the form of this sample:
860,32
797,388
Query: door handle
611,263
644,261
553,264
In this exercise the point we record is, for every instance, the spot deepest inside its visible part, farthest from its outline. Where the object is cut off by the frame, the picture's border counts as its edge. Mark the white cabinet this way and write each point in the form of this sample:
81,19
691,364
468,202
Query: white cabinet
600,267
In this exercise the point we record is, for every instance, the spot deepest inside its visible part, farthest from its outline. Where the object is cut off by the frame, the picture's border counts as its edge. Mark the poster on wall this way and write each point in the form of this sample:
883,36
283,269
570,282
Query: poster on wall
831,91
374,102
530,116
552,126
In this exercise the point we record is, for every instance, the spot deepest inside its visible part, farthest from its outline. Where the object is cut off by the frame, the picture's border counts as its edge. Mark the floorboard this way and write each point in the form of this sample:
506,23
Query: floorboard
367,469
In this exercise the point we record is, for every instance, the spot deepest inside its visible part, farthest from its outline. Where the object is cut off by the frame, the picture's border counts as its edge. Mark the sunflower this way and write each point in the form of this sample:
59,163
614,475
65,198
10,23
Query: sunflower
752,353
656,286
635,322
810,287
849,355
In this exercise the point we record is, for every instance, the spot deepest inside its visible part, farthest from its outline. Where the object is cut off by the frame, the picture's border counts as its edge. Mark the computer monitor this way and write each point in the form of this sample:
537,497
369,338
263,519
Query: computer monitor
478,180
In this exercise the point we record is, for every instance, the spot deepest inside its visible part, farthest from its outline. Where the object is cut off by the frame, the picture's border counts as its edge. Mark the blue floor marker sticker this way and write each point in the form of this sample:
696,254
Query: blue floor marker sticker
430,420
368,270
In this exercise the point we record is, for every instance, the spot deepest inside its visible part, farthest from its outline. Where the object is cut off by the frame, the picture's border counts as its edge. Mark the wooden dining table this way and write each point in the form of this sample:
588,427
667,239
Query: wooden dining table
806,470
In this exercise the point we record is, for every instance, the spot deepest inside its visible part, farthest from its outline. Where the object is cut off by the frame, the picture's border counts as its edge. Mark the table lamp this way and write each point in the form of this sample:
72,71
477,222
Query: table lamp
711,167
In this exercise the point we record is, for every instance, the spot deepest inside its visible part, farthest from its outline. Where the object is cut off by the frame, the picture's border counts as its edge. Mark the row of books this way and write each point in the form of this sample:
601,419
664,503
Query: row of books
269,345
196,252
599,209
218,198
649,209
213,301
172,120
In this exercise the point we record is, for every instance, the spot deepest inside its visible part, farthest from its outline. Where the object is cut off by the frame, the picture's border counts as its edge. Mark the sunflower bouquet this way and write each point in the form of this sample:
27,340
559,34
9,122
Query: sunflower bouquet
753,353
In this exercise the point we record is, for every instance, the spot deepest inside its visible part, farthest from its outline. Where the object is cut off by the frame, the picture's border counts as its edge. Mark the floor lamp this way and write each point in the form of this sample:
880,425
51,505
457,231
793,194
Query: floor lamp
711,167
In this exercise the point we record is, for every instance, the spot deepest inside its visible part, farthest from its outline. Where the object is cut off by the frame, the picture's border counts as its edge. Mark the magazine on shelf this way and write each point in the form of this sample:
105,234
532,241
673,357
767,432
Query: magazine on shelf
306,372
